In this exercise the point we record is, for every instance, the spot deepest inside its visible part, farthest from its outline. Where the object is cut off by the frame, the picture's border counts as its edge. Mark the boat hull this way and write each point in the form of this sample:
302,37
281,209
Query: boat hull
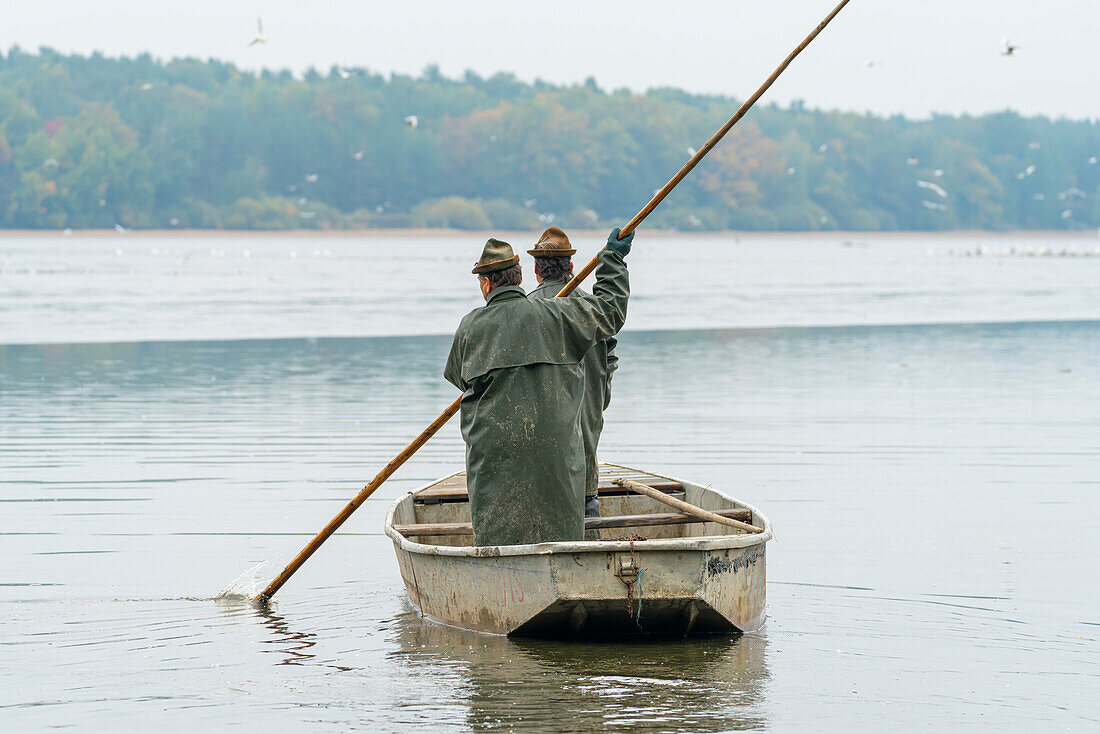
705,583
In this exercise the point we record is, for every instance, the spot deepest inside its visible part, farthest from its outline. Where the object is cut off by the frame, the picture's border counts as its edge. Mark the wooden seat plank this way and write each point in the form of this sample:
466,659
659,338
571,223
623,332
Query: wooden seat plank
591,523
459,494
453,488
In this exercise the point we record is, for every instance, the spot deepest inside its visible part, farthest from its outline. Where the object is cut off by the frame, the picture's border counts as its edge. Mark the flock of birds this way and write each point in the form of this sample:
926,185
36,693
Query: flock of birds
1028,251
931,186
216,252
1070,196
260,39
937,204
1007,49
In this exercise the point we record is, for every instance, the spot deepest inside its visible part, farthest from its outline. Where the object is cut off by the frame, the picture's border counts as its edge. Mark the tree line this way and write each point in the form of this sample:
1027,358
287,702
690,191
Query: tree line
97,142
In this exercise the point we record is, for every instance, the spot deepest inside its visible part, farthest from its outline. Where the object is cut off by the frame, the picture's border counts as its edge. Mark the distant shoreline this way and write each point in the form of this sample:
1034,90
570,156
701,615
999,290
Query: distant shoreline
518,234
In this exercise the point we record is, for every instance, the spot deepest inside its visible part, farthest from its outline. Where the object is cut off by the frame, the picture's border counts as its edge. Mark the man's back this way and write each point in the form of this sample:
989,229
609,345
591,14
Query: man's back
598,365
518,362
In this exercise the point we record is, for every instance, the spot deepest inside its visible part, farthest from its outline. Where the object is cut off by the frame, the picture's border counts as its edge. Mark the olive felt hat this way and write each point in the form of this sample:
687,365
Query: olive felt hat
552,243
497,255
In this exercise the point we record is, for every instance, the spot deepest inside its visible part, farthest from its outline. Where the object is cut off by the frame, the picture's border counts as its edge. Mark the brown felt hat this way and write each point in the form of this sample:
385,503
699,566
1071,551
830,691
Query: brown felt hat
553,243
497,255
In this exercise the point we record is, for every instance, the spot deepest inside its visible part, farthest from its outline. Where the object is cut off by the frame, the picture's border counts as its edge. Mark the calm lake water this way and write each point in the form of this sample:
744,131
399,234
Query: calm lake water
132,287
932,481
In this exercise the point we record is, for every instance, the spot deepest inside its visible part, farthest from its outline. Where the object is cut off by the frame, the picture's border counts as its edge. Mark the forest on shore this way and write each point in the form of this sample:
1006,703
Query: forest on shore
98,142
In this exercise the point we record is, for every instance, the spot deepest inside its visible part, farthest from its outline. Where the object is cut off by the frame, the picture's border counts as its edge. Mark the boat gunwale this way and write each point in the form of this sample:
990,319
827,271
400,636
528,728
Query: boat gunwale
699,543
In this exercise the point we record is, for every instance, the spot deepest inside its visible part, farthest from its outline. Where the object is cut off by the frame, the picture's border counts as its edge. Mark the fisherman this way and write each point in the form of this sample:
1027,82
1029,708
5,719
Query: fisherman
518,362
553,255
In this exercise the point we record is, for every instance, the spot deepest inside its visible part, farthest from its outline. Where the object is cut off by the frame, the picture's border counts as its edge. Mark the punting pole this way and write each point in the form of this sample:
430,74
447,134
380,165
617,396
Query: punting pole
707,147
686,507
576,280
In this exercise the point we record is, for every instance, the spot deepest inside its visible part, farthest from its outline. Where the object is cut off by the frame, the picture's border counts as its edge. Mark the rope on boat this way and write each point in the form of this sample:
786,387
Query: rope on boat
630,614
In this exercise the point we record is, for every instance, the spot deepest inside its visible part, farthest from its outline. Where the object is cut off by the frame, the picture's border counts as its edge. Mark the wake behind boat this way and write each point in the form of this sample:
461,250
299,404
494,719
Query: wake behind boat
651,571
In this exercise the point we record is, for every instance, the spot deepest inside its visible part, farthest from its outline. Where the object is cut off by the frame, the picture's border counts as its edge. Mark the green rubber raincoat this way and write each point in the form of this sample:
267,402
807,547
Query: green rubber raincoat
598,366
518,362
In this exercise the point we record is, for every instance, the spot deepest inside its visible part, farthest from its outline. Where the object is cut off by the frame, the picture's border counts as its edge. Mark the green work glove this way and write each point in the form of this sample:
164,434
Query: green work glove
622,247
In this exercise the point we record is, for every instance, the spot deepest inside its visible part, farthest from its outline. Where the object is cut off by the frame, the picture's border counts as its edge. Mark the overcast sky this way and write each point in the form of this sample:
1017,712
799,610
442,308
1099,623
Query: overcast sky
928,55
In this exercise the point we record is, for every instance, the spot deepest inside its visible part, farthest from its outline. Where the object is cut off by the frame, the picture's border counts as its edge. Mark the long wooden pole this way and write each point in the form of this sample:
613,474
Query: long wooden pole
686,507
367,491
707,147
575,281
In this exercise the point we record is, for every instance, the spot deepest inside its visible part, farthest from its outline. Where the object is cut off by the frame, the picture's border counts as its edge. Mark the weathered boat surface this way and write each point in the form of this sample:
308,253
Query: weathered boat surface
684,579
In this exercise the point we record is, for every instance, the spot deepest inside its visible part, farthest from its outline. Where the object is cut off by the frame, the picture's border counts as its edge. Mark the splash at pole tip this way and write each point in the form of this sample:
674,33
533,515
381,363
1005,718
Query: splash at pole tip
246,587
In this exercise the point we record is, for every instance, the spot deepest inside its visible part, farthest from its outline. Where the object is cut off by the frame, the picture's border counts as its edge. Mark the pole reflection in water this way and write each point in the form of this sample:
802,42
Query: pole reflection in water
699,684
294,646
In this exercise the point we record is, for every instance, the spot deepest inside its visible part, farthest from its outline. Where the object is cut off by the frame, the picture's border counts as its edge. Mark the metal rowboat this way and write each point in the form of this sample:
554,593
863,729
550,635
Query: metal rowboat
651,572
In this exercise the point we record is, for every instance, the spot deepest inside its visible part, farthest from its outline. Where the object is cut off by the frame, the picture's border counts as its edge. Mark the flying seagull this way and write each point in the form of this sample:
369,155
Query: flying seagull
1007,47
260,37
933,187
412,121
933,206
344,73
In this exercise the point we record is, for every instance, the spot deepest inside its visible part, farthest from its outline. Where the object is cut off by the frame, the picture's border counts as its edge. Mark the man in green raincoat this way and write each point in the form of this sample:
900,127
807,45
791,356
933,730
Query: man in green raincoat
518,363
553,268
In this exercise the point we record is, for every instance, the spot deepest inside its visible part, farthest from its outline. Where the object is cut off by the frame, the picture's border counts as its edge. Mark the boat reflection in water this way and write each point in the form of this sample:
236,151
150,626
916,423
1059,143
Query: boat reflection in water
698,684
